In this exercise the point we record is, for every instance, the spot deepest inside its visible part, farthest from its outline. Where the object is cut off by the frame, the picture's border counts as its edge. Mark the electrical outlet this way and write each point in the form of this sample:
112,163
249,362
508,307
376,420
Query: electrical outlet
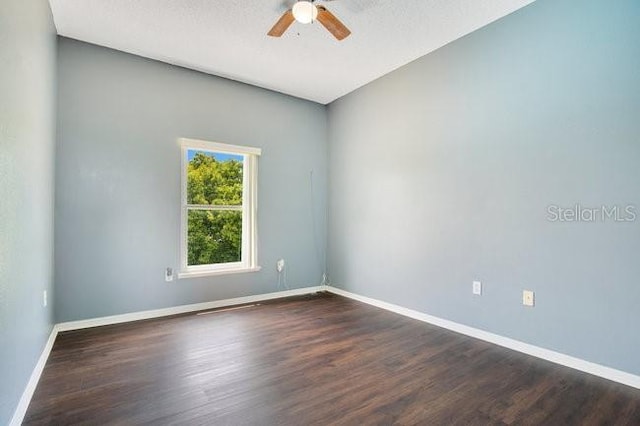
477,288
44,298
528,298
280,265
168,274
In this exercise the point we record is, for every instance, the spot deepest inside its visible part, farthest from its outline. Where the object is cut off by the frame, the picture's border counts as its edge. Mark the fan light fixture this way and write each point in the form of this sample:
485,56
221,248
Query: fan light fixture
304,12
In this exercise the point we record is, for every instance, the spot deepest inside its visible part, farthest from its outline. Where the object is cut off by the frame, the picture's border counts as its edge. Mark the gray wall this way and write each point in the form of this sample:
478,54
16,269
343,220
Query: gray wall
441,173
27,139
118,180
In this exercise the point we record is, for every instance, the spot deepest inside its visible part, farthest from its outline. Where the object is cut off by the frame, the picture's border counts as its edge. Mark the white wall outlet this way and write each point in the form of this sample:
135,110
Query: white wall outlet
477,287
280,265
168,274
44,298
528,298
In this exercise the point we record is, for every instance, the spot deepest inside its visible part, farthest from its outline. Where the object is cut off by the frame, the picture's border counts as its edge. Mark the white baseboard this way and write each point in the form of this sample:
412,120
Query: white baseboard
25,399
546,354
156,313
23,404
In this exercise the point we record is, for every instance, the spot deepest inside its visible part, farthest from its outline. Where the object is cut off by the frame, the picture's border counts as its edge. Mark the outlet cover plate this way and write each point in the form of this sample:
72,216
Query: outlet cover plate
477,288
528,298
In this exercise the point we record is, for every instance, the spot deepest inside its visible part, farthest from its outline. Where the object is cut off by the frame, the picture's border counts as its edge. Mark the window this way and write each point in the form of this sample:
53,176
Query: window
219,184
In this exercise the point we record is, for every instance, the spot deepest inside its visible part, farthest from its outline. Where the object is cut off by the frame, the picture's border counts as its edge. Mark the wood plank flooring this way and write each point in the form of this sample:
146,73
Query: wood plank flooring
312,360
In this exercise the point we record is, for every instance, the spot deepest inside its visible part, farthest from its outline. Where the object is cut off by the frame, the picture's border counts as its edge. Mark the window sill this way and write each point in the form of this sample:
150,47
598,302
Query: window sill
198,274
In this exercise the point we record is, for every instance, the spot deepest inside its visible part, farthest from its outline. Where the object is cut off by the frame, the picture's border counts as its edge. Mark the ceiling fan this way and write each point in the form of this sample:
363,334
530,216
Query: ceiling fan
305,12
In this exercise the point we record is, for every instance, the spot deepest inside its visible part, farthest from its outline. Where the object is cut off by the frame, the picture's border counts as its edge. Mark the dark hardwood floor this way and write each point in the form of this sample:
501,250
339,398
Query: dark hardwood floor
313,360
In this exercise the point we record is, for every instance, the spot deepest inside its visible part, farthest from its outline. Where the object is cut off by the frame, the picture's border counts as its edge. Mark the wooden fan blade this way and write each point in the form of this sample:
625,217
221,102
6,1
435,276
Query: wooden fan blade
332,23
283,23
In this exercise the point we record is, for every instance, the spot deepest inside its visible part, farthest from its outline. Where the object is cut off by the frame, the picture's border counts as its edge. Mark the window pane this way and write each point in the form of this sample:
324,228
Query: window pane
214,178
214,237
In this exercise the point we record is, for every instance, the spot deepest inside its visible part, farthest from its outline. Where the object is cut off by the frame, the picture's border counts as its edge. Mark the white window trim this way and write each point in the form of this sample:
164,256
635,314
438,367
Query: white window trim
249,261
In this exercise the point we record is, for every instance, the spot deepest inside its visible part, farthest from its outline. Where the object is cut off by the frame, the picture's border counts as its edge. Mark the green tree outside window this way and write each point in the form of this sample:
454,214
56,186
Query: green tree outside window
214,212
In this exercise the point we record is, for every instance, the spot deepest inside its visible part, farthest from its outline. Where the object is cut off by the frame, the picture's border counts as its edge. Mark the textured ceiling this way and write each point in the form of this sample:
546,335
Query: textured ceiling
228,37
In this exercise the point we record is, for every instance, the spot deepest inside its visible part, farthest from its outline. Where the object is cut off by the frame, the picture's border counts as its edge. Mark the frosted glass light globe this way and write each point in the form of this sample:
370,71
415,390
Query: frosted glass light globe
304,12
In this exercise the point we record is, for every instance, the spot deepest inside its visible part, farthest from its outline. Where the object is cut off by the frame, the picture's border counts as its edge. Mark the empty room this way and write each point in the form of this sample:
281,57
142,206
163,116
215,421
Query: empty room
327,212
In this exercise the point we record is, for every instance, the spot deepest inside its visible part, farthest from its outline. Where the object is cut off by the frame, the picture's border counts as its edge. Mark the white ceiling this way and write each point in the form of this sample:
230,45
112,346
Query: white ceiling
228,37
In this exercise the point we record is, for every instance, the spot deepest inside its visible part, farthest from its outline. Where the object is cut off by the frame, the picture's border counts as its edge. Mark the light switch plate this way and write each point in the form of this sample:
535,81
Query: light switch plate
528,298
477,287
